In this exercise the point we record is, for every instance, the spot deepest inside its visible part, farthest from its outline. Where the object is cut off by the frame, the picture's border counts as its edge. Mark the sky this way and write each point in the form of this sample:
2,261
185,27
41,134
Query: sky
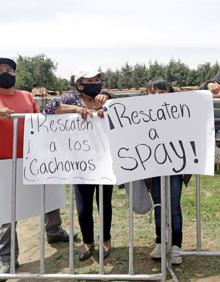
108,34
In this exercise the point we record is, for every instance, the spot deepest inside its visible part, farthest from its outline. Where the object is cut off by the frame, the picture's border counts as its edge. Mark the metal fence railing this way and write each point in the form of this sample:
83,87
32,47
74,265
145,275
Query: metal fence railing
131,275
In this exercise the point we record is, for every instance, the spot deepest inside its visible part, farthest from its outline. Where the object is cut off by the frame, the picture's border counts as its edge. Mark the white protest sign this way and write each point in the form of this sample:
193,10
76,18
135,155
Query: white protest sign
158,135
28,201
66,149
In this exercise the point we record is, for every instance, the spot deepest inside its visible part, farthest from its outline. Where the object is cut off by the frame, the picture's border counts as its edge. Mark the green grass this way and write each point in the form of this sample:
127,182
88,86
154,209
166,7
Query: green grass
192,268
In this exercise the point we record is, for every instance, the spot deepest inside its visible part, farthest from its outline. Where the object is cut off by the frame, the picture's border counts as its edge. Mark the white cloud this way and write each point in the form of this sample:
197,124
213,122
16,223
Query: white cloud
122,30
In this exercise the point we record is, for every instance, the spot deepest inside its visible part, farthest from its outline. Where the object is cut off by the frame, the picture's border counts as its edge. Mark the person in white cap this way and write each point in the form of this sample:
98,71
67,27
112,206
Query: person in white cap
88,100
88,83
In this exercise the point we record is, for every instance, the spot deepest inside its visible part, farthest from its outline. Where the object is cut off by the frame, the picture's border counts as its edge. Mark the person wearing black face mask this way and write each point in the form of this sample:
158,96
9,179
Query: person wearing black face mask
7,80
17,101
89,99
92,89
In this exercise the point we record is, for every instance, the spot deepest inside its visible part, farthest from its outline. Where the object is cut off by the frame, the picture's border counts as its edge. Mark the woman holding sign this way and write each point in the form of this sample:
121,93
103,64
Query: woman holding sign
87,100
160,86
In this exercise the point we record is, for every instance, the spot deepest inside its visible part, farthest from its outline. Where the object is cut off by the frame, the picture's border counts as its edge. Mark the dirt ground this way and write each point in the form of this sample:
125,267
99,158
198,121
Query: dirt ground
201,269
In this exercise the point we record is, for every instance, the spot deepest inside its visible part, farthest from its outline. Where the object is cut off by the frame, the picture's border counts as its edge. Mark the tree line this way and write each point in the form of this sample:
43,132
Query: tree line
176,72
39,71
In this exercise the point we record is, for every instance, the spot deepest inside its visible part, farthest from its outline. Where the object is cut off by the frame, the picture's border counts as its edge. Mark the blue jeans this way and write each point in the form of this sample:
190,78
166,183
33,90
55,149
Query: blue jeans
176,213
84,204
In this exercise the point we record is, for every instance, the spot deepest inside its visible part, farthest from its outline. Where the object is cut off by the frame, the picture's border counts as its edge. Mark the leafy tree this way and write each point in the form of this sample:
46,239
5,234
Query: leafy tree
177,73
38,71
155,70
112,80
192,78
126,76
61,84
204,72
139,75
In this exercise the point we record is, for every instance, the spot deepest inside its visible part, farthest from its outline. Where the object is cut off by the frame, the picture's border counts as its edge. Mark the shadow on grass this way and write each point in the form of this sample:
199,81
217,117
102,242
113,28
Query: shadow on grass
192,268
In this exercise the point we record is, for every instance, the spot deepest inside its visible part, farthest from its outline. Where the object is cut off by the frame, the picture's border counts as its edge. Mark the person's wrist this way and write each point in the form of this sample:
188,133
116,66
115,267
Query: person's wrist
106,94
77,109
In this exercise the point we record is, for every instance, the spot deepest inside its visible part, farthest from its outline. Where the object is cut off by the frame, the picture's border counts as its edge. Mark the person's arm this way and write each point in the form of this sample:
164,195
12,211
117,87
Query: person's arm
213,85
64,108
66,104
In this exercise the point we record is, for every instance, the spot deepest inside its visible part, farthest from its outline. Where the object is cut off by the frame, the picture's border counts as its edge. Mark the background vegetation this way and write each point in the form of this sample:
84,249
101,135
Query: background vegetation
176,72
39,71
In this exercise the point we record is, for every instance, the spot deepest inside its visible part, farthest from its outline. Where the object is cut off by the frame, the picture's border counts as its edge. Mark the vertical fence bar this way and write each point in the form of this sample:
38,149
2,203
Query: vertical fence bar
163,227
131,253
101,232
13,194
198,215
169,220
42,230
71,228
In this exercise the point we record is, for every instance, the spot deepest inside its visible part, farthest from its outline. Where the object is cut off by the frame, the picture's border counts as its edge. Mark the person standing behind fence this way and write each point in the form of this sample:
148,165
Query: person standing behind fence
160,86
88,100
16,101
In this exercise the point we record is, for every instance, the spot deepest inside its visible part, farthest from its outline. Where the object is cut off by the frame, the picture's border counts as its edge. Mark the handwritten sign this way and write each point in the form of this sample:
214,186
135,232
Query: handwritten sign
66,149
159,135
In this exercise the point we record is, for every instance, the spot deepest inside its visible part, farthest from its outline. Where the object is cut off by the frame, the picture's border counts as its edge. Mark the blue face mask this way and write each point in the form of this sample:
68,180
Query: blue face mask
92,89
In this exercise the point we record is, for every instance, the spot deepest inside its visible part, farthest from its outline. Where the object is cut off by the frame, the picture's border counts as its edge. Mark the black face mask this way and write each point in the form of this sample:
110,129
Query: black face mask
7,80
92,90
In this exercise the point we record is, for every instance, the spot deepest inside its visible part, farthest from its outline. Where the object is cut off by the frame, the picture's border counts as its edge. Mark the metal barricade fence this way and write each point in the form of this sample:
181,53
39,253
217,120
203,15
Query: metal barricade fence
198,251
165,233
72,275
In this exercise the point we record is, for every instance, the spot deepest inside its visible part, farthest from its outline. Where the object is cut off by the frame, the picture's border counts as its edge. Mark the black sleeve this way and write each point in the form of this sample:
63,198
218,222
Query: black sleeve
216,78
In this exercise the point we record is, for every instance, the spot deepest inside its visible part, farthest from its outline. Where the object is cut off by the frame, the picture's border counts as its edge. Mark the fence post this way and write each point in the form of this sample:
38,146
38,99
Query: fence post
13,194
163,227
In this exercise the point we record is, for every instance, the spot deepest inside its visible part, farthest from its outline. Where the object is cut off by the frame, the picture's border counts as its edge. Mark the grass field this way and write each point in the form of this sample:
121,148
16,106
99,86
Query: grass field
192,268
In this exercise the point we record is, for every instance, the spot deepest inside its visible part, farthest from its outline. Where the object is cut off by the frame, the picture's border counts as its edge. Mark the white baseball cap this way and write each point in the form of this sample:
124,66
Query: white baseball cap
87,72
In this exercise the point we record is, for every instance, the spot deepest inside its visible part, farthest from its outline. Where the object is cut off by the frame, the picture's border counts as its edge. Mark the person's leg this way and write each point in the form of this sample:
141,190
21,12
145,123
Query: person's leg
54,230
53,222
177,221
107,209
5,242
155,193
5,249
107,216
176,214
84,204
